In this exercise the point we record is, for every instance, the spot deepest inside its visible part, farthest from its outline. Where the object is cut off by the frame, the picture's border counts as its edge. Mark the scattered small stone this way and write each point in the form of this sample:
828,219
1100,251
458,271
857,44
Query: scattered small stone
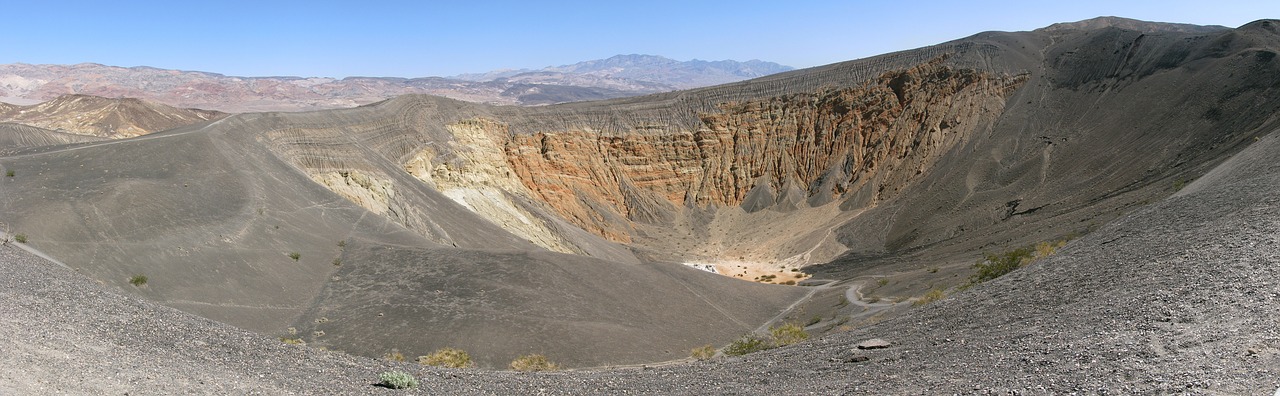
857,359
874,343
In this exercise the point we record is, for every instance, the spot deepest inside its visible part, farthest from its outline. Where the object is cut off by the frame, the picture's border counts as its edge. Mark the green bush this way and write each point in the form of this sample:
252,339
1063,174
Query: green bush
8,173
788,334
447,357
295,256
398,380
703,352
533,362
138,280
21,238
995,265
749,343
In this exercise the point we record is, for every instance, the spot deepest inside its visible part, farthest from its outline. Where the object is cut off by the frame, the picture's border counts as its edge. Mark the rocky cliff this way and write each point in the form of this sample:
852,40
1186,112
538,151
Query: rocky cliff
783,153
744,181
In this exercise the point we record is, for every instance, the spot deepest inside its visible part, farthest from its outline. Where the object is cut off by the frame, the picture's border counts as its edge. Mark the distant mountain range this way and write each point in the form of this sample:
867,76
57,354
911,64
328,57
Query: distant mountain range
618,76
650,69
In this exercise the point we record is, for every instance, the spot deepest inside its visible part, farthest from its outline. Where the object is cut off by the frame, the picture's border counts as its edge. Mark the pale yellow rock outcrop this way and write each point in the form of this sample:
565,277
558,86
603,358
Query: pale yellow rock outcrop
480,179
367,191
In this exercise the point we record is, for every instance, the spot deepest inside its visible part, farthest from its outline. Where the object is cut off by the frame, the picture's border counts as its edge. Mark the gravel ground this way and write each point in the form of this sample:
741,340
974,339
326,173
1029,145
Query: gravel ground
1182,296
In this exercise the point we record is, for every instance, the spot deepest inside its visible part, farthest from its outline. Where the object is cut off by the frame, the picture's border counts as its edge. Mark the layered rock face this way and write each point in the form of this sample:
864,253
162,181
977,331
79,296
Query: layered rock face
854,145
630,177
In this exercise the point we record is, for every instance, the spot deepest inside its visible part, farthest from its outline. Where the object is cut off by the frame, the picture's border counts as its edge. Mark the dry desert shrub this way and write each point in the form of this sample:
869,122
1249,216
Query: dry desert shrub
394,355
788,334
447,357
931,296
749,343
533,362
703,352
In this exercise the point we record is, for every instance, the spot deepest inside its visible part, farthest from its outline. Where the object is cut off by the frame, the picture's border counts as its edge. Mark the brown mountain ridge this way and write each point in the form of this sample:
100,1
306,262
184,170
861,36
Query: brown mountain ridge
104,117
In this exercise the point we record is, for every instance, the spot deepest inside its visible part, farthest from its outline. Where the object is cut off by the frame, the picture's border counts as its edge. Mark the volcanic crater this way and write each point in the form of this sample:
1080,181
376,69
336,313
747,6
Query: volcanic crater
852,199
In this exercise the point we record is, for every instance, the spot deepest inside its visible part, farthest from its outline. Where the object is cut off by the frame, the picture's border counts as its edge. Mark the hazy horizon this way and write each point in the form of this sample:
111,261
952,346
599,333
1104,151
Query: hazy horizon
412,39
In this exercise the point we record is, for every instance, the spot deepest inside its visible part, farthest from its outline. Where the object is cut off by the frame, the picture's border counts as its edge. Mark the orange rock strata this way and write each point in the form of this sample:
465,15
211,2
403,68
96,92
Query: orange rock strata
824,145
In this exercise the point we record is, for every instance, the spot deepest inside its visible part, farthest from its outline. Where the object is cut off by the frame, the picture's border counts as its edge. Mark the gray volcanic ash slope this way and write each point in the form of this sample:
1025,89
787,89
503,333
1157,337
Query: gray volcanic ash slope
18,135
423,222
211,215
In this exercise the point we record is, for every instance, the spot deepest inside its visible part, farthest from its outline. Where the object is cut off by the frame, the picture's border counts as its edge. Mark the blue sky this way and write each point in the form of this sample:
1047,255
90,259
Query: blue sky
442,38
